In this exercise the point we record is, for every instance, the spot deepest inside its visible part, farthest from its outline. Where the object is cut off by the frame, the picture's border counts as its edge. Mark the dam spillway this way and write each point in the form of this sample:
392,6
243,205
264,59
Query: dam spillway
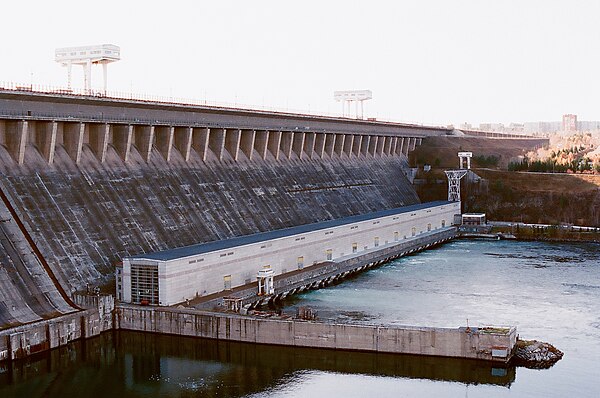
92,180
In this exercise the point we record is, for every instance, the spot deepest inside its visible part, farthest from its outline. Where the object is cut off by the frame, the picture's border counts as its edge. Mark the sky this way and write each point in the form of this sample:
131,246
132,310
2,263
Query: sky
426,61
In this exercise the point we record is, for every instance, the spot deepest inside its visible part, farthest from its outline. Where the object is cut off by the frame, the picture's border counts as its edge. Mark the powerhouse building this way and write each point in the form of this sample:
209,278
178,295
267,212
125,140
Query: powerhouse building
173,276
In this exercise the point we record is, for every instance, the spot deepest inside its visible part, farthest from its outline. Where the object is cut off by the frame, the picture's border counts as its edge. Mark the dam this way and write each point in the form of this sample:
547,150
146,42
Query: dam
87,181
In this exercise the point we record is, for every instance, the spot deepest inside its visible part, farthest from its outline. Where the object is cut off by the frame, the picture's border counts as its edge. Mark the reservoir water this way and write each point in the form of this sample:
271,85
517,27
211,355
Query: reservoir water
549,291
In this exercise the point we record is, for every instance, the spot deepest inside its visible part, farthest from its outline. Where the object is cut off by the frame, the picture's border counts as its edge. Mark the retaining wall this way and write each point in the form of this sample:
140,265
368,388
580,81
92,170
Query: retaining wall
459,342
25,340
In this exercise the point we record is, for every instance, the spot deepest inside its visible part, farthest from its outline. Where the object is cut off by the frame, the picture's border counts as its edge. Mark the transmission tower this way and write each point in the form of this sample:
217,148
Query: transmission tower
454,177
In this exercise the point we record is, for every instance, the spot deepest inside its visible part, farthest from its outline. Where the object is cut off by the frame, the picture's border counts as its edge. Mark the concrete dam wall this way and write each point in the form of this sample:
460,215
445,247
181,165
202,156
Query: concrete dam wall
84,219
85,194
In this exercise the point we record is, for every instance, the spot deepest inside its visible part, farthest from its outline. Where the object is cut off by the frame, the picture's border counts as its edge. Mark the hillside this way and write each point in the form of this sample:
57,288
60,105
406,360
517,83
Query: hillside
524,196
536,197
441,152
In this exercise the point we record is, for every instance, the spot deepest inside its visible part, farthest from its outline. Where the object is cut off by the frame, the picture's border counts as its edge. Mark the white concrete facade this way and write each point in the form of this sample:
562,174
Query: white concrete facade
208,272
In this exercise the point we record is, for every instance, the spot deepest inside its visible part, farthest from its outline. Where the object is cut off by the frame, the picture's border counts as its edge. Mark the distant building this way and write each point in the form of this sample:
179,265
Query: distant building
516,128
588,125
473,219
569,122
541,127
491,127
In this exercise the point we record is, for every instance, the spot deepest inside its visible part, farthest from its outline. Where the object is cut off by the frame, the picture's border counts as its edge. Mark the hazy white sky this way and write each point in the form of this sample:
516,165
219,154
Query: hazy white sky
428,61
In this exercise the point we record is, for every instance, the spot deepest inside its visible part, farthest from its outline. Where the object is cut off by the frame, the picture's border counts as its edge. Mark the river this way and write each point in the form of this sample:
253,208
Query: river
549,291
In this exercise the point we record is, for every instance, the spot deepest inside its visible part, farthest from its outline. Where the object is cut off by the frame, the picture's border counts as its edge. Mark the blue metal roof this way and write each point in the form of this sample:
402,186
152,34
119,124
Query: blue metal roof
200,248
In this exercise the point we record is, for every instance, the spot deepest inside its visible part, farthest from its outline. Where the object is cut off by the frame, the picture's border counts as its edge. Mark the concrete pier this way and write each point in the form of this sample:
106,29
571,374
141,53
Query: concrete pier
274,143
164,140
493,344
98,138
261,140
121,139
72,139
182,140
15,137
287,139
216,142
200,142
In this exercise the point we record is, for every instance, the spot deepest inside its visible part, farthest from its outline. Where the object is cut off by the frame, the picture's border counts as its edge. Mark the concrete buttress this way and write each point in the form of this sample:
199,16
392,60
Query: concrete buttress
73,134
183,141
164,140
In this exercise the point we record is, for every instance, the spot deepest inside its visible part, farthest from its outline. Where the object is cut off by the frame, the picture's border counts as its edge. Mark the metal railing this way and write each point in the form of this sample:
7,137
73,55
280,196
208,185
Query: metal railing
170,100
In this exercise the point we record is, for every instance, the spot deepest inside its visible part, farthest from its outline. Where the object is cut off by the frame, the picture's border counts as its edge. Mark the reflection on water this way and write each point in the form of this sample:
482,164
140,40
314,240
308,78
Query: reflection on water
550,291
138,364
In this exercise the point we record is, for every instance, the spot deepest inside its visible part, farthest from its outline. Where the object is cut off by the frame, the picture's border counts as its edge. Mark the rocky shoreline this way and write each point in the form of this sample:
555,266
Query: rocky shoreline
535,354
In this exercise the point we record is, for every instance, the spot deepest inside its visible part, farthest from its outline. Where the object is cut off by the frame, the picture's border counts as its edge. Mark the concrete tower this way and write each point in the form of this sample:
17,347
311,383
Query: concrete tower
102,54
353,96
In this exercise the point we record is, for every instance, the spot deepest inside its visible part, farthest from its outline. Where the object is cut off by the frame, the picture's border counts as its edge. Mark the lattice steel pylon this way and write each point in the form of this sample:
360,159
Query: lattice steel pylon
454,177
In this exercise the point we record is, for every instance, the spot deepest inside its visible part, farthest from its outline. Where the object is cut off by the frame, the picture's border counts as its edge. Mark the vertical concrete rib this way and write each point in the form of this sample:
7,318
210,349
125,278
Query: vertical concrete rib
364,146
339,144
261,141
357,145
394,145
144,139
298,146
407,143
121,140
387,144
400,147
182,139
372,145
98,136
73,139
414,143
287,139
320,144
309,144
247,143
380,145
16,139
200,141
45,139
348,144
274,143
164,140
216,142
232,142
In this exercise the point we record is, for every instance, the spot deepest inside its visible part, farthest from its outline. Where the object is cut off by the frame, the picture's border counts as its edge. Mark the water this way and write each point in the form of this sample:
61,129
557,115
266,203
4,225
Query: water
549,291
